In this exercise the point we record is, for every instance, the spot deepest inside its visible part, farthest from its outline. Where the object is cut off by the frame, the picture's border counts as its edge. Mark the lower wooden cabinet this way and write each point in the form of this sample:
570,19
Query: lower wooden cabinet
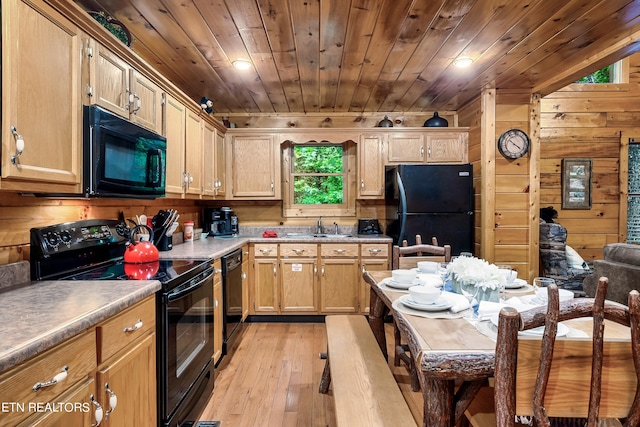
126,374
312,278
218,307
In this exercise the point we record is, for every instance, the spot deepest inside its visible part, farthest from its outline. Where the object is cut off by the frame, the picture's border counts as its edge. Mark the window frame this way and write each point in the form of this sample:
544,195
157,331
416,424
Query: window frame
346,209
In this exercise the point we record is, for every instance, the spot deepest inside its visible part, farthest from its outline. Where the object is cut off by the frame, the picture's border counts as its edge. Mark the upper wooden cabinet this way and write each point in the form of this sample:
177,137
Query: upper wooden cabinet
370,166
117,87
41,99
214,172
254,162
430,145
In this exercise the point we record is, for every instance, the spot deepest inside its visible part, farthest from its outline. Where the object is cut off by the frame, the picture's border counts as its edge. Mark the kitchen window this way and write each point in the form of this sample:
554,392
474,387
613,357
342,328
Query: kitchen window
318,179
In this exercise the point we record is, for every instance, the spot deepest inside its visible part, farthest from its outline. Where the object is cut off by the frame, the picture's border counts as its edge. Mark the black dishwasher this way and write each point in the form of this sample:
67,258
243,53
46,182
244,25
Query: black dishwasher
232,299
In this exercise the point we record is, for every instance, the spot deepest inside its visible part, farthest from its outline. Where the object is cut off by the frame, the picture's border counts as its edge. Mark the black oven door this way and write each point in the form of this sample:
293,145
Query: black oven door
185,346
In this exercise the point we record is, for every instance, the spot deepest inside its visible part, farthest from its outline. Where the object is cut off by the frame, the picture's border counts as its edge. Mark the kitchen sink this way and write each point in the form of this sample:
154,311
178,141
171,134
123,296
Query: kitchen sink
309,236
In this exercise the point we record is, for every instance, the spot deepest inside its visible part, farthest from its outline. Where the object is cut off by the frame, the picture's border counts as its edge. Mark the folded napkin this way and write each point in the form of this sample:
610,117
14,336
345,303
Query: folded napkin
458,302
487,309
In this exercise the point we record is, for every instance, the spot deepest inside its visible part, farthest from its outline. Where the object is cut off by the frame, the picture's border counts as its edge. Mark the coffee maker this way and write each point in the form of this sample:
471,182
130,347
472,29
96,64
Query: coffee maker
220,222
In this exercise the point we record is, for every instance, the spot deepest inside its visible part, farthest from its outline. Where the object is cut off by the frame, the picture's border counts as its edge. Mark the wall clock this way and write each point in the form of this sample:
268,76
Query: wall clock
513,144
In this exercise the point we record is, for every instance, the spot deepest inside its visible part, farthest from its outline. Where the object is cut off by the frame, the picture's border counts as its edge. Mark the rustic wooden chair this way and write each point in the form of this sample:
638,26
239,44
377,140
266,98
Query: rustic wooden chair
588,382
405,257
419,252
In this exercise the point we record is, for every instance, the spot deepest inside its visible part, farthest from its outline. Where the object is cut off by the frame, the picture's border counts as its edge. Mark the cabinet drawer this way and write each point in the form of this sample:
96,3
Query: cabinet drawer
16,385
265,250
298,250
378,250
125,328
339,250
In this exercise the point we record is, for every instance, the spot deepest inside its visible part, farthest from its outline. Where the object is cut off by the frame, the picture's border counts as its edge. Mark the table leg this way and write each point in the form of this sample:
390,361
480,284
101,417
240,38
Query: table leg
377,312
439,407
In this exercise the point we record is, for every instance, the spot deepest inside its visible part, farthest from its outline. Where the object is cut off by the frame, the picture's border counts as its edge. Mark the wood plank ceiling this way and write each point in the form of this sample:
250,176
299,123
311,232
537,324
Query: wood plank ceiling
372,55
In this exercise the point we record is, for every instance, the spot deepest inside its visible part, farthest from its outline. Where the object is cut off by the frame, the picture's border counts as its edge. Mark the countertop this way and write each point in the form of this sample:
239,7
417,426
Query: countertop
40,315
215,247
37,316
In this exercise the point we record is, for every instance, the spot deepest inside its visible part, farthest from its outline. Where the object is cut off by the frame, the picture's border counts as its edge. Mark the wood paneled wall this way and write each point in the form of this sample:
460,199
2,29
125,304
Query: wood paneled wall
18,214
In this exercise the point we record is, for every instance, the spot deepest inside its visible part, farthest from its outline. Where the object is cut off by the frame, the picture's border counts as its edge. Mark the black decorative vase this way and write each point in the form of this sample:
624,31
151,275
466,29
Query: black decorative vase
436,122
385,123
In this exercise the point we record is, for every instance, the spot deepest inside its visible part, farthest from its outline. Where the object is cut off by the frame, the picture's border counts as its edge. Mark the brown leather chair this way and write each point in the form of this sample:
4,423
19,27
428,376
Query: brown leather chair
587,382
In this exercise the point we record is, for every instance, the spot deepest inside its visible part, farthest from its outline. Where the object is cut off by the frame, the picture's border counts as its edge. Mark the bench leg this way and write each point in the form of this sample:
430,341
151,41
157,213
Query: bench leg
397,343
326,378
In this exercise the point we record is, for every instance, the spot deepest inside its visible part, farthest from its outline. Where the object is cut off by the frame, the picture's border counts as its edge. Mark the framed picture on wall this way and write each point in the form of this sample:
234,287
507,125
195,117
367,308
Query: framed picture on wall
576,183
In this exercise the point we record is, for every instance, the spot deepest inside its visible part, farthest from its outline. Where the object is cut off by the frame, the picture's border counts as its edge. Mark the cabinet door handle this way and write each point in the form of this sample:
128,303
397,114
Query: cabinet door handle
315,269
429,152
98,413
274,269
362,184
135,327
244,276
421,152
215,303
272,186
322,271
19,145
113,400
299,251
339,251
375,251
265,251
60,376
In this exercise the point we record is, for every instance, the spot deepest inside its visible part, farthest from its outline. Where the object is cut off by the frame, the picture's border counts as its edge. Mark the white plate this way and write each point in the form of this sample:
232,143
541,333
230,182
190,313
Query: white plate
397,285
516,284
417,270
439,305
563,330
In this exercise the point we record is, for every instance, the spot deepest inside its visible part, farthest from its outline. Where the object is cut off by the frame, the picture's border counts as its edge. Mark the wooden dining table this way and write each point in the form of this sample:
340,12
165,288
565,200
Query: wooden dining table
453,358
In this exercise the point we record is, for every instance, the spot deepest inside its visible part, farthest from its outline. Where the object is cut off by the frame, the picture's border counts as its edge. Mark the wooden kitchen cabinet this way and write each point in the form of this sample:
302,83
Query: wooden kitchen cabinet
254,162
406,147
127,366
218,307
299,278
117,87
246,283
447,147
371,166
77,355
184,132
265,278
373,257
41,99
339,278
214,171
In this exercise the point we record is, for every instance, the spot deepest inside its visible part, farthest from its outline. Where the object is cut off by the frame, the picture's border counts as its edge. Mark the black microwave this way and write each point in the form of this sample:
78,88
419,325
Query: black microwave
120,158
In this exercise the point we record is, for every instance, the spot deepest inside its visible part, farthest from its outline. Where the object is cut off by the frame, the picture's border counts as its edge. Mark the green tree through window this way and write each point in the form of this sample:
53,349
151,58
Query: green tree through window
318,174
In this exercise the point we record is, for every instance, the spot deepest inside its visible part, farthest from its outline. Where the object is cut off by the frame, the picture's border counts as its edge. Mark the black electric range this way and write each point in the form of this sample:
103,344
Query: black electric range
93,250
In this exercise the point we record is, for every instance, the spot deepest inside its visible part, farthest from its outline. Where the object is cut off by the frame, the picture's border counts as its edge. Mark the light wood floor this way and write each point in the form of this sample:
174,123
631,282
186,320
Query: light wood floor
273,378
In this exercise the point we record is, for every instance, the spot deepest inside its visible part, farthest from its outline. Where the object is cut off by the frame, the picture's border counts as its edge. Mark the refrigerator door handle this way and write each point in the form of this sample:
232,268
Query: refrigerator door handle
403,209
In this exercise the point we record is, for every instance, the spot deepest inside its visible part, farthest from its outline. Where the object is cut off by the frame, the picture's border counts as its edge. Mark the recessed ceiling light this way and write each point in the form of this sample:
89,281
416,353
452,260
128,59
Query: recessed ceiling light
463,62
242,64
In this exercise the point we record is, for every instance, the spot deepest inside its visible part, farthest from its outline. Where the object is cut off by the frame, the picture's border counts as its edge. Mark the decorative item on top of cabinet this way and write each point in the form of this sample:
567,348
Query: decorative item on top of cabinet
254,162
436,121
117,87
373,257
339,278
41,138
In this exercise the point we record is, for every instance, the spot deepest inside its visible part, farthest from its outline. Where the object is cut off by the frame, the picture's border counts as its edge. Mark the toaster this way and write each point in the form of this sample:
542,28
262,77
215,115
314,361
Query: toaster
369,226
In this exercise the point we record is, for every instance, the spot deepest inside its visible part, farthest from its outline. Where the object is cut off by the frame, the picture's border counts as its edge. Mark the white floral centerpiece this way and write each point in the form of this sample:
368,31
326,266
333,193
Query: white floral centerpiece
486,277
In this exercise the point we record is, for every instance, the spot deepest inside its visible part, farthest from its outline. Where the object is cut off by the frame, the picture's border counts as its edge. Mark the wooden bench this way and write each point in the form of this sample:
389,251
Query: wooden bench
364,389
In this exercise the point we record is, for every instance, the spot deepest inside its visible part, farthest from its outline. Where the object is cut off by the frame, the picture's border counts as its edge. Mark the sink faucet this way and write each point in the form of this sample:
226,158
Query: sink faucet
335,229
319,228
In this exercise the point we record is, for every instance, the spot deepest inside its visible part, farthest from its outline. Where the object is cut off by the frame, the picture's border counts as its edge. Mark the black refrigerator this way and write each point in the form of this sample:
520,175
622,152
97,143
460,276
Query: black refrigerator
430,200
